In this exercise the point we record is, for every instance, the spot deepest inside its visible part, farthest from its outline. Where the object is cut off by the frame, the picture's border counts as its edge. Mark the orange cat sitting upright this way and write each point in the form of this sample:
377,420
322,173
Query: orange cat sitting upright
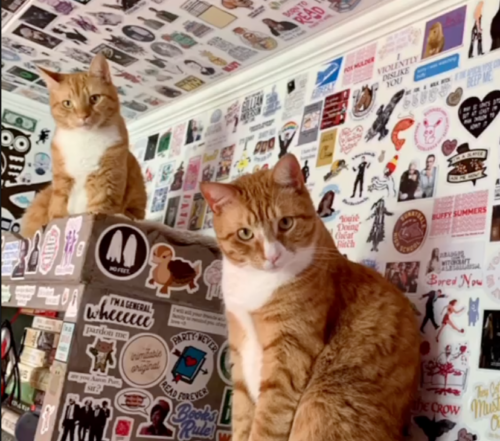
93,169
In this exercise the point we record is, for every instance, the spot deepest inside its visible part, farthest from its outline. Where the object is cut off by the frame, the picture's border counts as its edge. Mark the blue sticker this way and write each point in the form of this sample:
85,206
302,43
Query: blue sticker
195,422
437,67
9,55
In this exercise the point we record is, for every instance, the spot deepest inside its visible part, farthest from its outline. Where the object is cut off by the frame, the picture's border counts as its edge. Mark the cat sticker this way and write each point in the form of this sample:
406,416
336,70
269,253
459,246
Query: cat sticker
473,312
169,272
103,354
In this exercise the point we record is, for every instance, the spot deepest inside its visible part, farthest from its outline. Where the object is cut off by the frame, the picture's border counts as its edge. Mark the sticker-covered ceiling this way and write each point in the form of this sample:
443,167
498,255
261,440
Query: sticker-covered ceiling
160,50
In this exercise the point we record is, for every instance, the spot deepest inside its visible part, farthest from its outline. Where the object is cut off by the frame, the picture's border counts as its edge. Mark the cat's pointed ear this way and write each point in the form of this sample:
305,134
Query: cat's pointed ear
287,172
52,79
217,195
99,68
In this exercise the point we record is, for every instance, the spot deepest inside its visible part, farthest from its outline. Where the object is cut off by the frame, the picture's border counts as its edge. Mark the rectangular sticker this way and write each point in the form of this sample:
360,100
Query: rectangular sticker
64,345
335,109
310,123
197,320
326,148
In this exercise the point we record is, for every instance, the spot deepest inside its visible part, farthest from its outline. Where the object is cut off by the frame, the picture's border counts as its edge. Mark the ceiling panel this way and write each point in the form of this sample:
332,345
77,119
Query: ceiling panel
159,50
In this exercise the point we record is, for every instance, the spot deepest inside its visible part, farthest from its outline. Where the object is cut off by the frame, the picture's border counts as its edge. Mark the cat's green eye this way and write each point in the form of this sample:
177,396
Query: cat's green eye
94,99
245,234
67,103
285,223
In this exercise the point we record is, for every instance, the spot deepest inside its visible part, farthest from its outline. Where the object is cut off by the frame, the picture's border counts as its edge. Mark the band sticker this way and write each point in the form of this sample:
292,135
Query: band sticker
197,320
170,273
50,248
121,311
224,363
195,422
212,278
192,366
144,360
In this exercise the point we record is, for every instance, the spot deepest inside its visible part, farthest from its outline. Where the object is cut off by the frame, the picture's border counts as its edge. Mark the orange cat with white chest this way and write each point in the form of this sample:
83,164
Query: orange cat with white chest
93,169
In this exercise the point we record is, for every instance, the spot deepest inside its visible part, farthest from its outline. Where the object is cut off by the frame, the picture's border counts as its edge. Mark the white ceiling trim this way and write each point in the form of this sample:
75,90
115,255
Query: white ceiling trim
370,25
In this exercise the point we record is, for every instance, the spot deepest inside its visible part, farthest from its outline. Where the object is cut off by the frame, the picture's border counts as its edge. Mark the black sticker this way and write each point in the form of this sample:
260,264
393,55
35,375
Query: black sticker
467,165
36,36
114,55
171,214
290,87
37,17
476,115
122,252
490,341
138,33
151,147
23,73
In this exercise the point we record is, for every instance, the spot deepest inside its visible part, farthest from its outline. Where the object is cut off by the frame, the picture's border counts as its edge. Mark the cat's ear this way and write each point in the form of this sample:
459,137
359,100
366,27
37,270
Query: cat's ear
287,172
217,195
99,68
52,79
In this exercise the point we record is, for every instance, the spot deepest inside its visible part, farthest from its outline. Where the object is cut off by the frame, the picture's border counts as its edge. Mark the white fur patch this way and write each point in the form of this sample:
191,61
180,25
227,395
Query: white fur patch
247,289
82,151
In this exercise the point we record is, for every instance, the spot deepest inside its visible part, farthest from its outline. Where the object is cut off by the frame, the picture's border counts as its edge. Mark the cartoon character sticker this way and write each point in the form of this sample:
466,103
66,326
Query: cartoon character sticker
71,231
102,353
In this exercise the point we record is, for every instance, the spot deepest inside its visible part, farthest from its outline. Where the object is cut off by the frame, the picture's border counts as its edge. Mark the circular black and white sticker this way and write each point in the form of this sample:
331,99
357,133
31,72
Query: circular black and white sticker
122,252
138,33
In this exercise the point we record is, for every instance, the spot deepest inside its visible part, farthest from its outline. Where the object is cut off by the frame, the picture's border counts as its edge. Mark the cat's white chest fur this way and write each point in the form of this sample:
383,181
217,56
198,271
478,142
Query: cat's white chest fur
82,151
246,290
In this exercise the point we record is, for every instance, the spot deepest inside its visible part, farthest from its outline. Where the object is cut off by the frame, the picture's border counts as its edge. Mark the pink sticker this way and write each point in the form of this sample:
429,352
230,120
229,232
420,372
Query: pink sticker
349,138
49,250
432,130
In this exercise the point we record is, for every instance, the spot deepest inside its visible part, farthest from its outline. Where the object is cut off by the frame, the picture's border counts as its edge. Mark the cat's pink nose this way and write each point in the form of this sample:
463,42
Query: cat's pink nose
273,258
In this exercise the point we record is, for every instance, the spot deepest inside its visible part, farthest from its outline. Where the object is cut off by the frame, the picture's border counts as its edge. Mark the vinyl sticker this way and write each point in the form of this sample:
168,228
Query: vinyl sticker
157,427
134,401
437,407
326,78
416,182
349,138
325,207
194,422
37,36
64,345
449,146
384,113
307,14
251,107
159,200
255,39
479,75
103,355
192,174
37,17
46,415
326,148
310,123
171,213
191,367
197,320
138,33
121,252
23,294
224,435
224,364
239,53
272,103
490,343
144,360
409,231
225,408
225,162
105,332
197,212
19,268
335,110
457,265
401,126
492,276
97,410
118,310
94,383
432,131
122,429
342,6
455,97
437,67
476,115
210,14
359,65
189,83
23,73
377,232
363,101
360,164
170,273
71,231
114,55
295,97
445,372
212,277
468,165
483,406
347,229
50,248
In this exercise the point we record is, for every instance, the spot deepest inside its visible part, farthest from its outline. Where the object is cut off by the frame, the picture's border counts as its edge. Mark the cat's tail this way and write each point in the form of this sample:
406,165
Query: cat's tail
36,215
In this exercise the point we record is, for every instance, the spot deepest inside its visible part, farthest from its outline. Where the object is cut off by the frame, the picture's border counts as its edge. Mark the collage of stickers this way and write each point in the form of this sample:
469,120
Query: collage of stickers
158,50
26,163
412,117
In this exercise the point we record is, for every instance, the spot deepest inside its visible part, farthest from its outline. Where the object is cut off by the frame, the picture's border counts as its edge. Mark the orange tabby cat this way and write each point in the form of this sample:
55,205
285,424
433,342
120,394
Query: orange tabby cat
93,169
323,348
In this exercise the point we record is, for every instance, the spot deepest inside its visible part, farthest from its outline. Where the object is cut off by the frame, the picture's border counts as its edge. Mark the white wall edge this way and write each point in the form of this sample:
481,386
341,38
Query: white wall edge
369,26
25,106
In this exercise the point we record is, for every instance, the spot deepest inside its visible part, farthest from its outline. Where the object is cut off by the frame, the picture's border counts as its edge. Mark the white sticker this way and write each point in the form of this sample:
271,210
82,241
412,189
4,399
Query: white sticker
492,277
122,251
72,310
103,355
24,294
105,332
80,248
144,360
50,248
6,294
194,422
95,383
64,345
157,426
71,231
197,320
133,401
224,363
53,300
122,429
122,311
169,273
191,366
212,278
65,296
10,256
44,292
47,413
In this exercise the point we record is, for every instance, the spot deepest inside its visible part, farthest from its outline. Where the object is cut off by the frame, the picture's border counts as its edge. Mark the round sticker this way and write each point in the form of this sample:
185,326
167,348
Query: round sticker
122,252
144,360
409,231
191,366
166,49
138,33
224,363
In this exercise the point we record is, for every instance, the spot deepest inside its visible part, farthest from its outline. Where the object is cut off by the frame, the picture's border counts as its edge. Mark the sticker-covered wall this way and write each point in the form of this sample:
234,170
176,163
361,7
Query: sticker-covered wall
26,165
399,142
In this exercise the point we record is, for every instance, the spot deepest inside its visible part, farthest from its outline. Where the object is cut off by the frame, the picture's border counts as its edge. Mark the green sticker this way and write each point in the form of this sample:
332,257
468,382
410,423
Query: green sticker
18,120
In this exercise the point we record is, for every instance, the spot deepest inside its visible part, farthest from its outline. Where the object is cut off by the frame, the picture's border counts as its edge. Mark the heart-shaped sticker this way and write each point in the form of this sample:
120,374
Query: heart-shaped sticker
449,147
476,115
455,97
190,361
349,138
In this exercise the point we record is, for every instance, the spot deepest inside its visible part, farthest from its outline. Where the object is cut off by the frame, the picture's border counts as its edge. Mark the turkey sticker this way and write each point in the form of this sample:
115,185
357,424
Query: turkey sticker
121,252
170,273
477,115
193,356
